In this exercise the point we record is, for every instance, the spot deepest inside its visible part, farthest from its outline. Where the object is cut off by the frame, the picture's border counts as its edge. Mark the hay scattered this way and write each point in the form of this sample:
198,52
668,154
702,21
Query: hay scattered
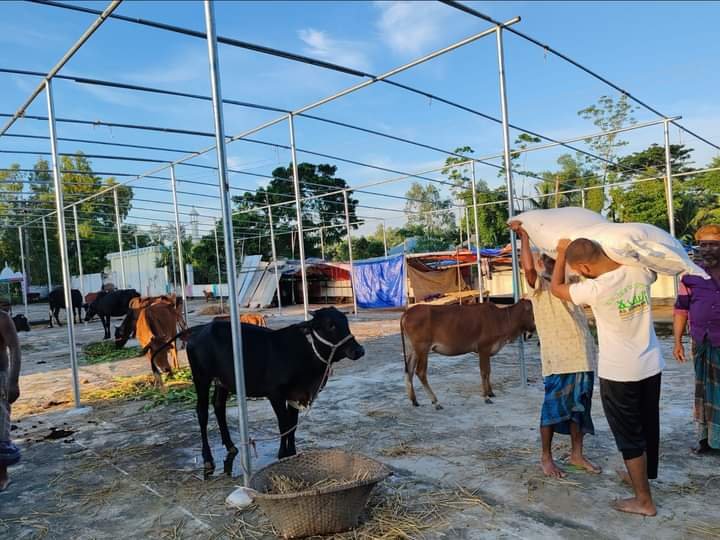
393,513
178,390
214,309
705,530
105,351
282,485
405,449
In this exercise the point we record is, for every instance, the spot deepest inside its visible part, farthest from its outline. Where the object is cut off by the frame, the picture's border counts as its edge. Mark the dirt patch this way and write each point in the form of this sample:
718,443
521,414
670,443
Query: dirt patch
133,467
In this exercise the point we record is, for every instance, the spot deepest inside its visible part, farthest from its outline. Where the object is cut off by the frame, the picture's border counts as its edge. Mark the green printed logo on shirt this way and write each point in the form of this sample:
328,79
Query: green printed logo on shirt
632,300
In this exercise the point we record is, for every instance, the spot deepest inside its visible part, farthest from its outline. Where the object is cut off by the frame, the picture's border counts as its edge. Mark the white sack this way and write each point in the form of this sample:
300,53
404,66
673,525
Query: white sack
546,227
635,244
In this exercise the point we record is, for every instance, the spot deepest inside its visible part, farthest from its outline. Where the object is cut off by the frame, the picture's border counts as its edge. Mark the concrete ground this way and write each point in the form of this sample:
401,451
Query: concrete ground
122,470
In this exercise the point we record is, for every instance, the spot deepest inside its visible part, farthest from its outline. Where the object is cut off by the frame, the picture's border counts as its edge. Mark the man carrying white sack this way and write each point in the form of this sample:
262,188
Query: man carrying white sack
567,351
630,361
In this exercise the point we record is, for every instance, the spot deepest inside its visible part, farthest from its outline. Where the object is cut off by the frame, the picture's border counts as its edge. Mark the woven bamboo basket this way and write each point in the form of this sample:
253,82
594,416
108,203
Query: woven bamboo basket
318,511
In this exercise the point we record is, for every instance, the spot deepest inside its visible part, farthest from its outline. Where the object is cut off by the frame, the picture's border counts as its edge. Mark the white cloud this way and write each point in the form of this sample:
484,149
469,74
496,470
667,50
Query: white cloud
411,27
320,45
188,66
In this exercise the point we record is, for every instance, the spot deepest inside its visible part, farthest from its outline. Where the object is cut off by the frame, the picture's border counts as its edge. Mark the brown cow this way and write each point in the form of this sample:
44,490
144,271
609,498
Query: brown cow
156,325
459,329
128,327
258,319
208,295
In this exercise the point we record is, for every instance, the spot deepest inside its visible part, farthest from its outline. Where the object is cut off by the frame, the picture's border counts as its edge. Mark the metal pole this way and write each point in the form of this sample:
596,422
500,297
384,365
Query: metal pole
47,255
79,251
174,270
669,199
460,227
219,273
481,282
228,232
322,244
510,193
582,197
22,269
275,261
384,238
62,237
137,260
668,180
350,253
298,212
118,226
467,226
178,236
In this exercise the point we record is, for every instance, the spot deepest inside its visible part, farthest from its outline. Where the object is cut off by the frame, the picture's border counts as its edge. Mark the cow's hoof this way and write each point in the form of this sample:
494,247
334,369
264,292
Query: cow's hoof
438,407
488,400
491,394
415,404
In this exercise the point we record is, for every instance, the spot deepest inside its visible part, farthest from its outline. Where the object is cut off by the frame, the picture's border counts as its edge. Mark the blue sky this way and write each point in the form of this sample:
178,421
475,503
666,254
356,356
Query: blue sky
664,52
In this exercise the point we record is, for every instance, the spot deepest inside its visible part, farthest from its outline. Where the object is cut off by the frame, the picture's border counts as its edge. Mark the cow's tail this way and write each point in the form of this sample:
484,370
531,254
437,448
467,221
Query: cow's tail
182,334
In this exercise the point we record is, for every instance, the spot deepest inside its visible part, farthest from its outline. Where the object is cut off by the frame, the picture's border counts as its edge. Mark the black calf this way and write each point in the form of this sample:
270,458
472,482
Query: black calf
286,365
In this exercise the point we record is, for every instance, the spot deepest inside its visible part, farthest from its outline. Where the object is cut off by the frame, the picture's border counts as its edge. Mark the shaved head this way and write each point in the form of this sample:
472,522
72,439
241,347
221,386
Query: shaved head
583,251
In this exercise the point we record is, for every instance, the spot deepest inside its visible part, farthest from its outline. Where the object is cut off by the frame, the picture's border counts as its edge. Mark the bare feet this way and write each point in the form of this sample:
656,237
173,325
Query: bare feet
634,506
702,448
550,469
4,480
582,462
624,476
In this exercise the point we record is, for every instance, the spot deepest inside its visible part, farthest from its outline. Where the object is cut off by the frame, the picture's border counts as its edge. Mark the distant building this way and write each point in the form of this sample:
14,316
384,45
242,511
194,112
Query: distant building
194,227
141,271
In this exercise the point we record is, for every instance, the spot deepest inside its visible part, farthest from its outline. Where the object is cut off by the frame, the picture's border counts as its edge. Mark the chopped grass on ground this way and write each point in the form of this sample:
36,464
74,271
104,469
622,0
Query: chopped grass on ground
179,390
105,351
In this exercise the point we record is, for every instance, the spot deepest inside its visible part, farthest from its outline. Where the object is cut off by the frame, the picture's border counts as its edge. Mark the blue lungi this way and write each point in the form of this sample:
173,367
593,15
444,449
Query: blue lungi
568,398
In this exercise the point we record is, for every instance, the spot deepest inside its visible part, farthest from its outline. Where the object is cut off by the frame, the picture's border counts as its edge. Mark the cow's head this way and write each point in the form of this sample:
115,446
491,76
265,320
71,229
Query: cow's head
21,323
527,318
124,331
332,326
90,311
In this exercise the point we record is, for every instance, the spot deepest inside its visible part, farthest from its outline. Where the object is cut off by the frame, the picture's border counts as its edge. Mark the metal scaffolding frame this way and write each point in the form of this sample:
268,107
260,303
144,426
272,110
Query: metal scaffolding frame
222,171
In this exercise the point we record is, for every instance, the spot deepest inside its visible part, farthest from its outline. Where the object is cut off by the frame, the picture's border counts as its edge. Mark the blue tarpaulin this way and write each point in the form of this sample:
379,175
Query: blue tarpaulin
380,282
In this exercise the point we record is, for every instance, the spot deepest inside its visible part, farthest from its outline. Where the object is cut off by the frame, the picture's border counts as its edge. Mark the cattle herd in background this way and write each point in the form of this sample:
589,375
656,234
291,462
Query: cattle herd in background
291,365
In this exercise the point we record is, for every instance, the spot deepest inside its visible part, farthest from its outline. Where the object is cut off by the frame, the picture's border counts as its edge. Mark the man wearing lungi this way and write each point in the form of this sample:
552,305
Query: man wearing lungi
630,361
699,301
567,351
9,392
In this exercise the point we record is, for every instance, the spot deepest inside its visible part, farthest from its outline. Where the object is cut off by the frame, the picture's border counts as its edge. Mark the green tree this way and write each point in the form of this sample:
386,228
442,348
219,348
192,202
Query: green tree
96,218
607,114
570,176
427,208
492,203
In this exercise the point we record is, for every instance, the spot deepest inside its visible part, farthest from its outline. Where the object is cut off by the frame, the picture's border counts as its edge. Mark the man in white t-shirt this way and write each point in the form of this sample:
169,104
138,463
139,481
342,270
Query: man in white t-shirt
630,361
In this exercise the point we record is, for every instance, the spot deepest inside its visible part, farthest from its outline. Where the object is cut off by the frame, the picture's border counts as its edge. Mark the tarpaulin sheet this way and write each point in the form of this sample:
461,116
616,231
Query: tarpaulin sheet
379,283
428,284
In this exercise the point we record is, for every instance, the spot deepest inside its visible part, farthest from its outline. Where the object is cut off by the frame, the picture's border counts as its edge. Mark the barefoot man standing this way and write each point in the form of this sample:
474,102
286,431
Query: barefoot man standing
699,303
630,362
567,350
9,392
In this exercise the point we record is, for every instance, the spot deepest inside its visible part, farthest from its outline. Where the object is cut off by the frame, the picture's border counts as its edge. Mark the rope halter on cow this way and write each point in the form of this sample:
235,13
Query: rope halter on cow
313,335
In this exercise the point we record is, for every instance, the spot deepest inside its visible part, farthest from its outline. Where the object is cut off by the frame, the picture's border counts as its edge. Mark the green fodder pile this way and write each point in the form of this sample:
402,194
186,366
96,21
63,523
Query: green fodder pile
178,390
105,351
